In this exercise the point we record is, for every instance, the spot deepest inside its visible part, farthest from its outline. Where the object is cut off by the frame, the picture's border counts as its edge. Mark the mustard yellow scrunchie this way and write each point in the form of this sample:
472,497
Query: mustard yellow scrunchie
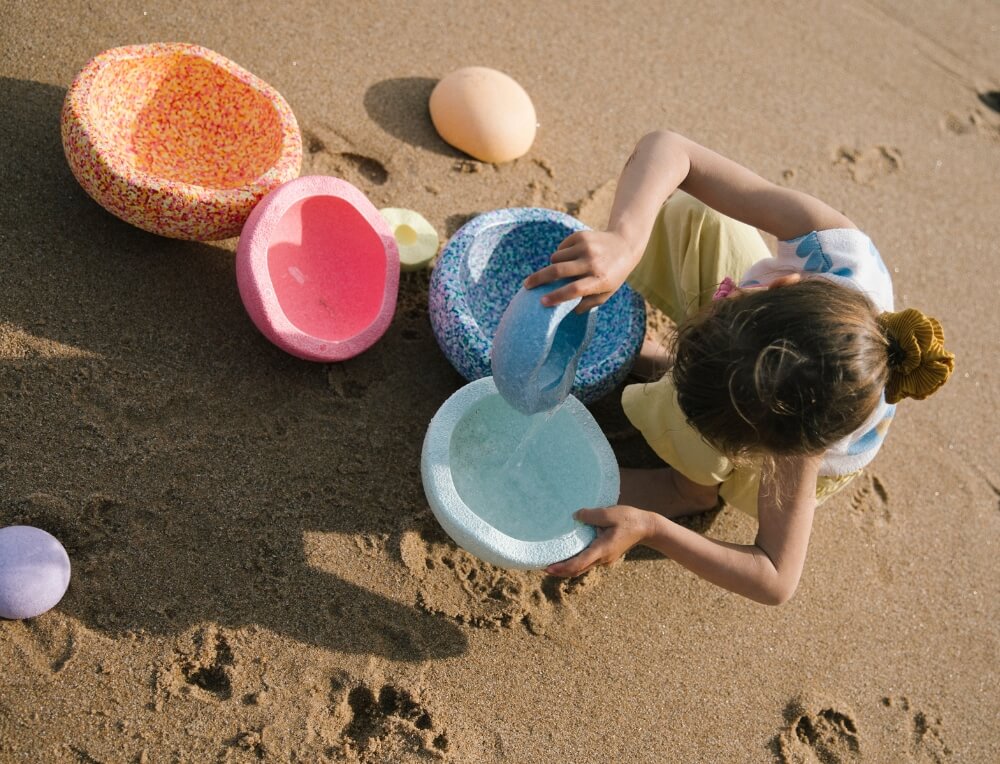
918,362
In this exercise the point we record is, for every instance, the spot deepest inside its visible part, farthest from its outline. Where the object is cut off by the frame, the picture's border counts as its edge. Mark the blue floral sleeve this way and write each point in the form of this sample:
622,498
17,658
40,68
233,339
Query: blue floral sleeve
843,255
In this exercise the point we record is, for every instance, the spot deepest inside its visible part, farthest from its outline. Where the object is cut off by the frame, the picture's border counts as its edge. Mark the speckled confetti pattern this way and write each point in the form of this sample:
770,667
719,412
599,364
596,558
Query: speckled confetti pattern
176,139
480,270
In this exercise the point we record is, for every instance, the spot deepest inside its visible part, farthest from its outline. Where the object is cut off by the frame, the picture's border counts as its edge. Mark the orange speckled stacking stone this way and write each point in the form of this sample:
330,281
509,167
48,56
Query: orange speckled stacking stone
178,140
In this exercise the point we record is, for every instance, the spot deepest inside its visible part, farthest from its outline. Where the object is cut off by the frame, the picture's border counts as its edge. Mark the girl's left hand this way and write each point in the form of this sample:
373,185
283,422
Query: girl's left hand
619,528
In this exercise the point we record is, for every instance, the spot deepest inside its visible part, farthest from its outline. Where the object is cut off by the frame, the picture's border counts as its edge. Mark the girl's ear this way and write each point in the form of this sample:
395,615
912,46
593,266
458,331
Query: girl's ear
787,280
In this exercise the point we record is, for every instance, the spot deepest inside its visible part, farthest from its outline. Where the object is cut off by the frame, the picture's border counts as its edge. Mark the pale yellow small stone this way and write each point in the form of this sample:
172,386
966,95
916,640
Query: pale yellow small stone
417,240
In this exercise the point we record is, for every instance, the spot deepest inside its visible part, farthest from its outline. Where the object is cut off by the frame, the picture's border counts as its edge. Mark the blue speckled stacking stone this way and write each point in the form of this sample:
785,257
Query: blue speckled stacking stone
536,349
483,266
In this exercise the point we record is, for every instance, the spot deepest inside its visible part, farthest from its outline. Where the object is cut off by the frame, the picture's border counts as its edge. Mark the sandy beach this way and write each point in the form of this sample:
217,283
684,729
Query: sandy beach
256,573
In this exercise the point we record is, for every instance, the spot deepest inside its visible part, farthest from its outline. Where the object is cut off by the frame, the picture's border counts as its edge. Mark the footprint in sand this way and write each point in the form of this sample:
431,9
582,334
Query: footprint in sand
868,166
49,643
353,378
382,722
871,513
977,121
319,158
923,732
85,526
345,383
51,513
870,503
279,427
820,732
204,664
823,734
453,583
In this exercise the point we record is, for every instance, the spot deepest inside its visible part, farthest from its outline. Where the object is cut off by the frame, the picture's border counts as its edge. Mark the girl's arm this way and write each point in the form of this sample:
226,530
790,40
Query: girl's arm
767,571
663,161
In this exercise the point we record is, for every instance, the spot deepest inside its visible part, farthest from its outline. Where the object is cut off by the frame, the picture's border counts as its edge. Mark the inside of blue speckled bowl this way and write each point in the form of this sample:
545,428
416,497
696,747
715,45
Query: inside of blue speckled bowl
498,261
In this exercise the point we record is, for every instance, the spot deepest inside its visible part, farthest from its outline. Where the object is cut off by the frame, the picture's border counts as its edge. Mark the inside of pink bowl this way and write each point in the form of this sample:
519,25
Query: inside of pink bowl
185,119
328,268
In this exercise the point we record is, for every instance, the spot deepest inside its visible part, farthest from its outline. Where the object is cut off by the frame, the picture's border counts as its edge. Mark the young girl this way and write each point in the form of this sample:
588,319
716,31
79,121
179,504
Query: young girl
779,390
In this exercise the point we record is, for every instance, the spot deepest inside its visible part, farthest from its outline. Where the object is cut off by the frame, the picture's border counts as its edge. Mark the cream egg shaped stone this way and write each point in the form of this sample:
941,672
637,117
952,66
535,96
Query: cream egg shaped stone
484,113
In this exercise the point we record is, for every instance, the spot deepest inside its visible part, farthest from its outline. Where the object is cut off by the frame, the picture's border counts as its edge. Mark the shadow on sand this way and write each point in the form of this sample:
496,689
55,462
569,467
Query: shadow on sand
399,106
179,456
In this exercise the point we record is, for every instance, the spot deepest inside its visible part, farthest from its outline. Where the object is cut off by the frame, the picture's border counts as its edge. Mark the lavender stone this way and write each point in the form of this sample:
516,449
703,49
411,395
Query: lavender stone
34,571
480,270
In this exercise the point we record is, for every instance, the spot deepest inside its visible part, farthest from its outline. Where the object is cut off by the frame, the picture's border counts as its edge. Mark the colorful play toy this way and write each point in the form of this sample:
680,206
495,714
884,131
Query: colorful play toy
318,269
483,112
536,349
480,270
34,571
505,486
417,240
176,139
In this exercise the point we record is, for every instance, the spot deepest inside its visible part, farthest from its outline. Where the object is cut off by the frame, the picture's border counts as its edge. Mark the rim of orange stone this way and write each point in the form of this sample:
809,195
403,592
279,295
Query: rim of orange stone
113,158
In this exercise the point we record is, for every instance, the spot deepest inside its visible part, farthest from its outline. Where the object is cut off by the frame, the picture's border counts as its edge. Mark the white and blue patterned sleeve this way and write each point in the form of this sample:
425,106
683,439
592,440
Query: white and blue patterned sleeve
843,255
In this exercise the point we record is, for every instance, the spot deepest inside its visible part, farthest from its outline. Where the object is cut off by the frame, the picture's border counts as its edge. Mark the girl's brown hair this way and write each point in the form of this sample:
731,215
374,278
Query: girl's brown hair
783,371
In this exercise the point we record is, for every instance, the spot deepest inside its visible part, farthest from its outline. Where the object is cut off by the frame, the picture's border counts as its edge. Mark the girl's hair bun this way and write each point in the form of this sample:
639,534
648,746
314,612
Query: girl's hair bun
918,361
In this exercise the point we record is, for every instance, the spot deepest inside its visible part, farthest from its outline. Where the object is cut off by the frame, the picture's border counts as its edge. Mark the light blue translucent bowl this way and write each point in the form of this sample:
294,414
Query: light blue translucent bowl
536,349
505,486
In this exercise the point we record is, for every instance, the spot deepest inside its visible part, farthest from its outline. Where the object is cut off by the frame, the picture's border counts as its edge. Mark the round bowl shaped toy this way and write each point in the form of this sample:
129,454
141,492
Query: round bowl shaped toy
536,349
34,571
481,269
318,269
505,486
176,139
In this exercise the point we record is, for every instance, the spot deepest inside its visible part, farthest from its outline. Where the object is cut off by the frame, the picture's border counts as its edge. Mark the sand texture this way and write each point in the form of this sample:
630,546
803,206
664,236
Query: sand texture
256,573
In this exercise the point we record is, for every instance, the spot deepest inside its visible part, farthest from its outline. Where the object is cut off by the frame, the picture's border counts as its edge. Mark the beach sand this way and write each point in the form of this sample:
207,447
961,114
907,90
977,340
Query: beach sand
256,573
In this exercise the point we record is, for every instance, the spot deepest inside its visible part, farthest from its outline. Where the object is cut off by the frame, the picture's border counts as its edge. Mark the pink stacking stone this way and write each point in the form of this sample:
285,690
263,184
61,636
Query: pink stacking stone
318,269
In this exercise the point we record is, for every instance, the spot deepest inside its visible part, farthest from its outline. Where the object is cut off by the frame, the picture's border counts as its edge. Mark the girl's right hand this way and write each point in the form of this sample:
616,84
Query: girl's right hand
597,261
619,528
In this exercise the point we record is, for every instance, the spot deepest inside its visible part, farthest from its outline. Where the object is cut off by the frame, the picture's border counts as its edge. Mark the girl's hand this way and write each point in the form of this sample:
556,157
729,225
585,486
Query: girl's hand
619,528
598,261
